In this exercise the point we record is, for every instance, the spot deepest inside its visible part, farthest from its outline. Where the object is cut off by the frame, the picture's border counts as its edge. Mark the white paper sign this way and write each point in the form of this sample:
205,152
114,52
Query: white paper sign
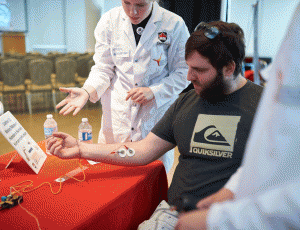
18,137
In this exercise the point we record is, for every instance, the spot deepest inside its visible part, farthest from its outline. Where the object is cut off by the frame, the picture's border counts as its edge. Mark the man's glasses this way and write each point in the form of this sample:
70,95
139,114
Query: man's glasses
209,31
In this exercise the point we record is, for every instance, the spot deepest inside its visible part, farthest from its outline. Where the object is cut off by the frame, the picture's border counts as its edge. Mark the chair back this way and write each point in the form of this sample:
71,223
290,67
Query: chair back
91,63
1,59
17,56
40,71
53,57
73,55
82,66
65,70
34,54
27,59
13,72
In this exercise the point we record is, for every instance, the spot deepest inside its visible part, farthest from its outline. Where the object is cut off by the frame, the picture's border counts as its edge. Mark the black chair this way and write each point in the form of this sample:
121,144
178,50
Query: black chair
13,74
40,80
83,69
65,69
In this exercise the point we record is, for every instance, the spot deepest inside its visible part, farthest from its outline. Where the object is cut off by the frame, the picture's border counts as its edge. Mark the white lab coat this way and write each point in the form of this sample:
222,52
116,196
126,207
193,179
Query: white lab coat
120,65
268,184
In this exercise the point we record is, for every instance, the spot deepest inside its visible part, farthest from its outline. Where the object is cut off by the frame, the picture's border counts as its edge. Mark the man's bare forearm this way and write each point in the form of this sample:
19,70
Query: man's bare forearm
134,153
109,153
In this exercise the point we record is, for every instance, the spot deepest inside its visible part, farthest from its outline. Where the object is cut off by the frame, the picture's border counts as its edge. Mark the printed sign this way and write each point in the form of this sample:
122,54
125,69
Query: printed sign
18,137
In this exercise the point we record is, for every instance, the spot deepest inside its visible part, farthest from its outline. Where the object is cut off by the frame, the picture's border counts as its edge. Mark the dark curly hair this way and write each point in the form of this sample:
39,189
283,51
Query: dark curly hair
227,46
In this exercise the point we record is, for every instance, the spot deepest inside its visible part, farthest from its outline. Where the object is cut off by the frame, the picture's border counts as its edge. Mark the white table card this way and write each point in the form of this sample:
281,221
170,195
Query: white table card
18,137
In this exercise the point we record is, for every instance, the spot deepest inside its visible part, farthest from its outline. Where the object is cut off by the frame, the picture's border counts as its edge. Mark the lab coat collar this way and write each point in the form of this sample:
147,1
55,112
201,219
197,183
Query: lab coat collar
155,18
156,13
127,28
149,30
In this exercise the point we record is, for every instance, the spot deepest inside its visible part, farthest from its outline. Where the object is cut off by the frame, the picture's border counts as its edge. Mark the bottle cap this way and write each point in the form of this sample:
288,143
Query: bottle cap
84,120
49,116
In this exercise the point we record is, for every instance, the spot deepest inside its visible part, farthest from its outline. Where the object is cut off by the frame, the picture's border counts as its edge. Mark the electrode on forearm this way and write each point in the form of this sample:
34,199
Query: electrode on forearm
123,152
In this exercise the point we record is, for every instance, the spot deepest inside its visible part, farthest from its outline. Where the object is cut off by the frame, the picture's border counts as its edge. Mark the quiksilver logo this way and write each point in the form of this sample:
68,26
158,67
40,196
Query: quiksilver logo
210,135
214,132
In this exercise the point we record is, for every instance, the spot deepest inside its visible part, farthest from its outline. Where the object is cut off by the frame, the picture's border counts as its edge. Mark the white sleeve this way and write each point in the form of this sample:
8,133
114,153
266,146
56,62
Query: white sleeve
265,73
176,81
278,208
103,70
234,180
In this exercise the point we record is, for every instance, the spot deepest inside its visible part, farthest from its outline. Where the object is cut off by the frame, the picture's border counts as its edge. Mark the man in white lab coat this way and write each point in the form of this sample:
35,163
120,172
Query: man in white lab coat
266,189
139,72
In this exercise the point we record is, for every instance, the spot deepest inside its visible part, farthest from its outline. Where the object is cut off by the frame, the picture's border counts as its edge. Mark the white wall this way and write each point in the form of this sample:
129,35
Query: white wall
93,15
99,4
109,4
274,18
75,26
17,21
61,25
46,29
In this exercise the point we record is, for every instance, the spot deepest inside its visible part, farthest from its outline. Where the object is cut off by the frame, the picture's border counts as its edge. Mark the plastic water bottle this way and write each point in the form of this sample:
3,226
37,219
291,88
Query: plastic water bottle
1,108
50,126
85,133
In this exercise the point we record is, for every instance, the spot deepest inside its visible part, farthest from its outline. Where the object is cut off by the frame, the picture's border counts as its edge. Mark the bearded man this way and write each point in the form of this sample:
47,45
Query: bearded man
209,124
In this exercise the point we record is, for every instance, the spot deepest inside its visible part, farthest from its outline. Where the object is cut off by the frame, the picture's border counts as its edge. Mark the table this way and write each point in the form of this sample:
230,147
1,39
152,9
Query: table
111,197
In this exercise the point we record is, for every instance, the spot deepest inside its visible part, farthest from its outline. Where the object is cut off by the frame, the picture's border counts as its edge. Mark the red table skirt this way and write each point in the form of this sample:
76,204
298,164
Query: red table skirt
111,197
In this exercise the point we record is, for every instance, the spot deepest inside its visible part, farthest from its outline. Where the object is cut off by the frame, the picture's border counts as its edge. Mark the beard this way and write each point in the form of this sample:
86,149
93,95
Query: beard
215,90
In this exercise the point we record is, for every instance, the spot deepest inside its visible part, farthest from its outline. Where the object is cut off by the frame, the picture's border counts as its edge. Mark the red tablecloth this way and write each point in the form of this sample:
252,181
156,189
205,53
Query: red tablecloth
111,197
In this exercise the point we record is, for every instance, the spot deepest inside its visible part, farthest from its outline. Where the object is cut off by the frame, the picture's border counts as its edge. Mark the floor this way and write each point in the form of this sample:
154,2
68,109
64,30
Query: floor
69,124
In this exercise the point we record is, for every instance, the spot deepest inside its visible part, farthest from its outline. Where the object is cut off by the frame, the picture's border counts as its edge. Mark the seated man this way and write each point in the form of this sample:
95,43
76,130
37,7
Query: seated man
266,187
210,124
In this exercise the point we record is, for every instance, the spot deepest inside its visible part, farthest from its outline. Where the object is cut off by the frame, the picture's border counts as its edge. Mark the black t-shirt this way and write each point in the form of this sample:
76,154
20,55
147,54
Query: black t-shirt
141,26
211,140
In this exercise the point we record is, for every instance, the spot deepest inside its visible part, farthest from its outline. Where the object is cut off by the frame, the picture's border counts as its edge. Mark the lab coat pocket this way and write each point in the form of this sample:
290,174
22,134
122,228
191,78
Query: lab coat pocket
159,59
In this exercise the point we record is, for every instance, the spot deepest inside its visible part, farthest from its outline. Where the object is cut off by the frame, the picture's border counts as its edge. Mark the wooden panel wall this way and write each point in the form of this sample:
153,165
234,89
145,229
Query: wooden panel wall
13,42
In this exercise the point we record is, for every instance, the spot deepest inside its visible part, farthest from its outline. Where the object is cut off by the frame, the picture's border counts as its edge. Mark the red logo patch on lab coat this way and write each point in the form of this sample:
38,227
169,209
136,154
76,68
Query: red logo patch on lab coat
162,36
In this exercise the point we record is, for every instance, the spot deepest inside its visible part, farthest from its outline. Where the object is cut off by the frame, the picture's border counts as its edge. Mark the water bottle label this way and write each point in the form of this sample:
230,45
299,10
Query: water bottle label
48,131
86,136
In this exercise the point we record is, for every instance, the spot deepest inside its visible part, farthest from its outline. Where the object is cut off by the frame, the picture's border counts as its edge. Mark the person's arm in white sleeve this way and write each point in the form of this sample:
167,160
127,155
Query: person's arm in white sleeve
274,209
103,71
234,180
176,81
